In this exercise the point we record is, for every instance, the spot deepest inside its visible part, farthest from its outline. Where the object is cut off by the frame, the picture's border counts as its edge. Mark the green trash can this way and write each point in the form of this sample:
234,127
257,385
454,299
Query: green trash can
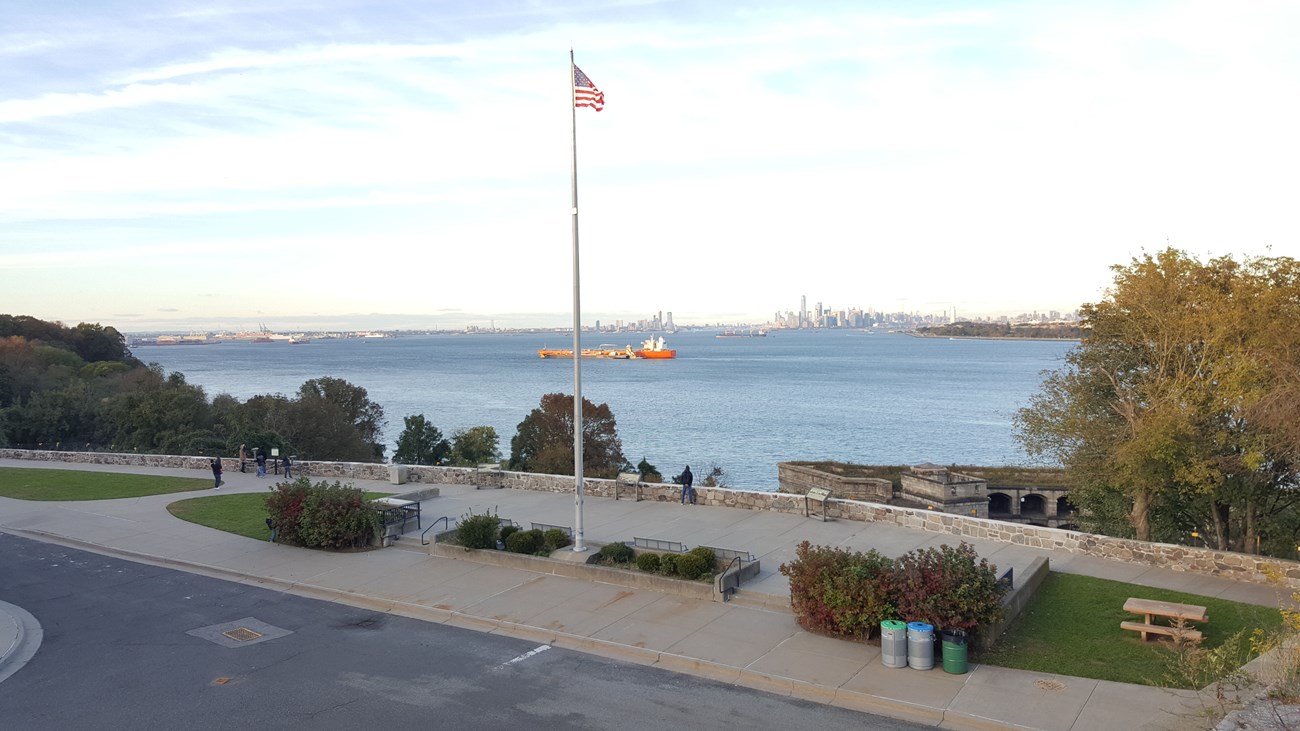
954,651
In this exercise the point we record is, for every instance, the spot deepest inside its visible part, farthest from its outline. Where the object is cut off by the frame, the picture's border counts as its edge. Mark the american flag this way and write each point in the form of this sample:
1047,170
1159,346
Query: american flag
585,93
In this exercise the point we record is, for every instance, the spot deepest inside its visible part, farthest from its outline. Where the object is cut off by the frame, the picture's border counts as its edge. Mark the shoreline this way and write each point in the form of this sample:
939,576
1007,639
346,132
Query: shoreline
992,337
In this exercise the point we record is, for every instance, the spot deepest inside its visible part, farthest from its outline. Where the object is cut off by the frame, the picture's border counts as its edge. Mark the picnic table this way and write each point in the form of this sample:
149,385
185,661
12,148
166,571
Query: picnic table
1178,614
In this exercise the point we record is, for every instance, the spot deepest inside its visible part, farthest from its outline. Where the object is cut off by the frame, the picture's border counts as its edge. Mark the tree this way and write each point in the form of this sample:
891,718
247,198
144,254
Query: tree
474,446
1179,402
155,412
648,472
333,419
420,443
544,440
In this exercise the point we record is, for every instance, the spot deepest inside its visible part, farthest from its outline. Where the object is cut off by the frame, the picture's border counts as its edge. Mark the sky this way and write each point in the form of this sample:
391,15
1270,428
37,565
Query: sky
380,164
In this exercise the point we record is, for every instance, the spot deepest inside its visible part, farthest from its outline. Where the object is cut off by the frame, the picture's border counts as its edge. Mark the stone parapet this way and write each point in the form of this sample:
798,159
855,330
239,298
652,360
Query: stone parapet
1237,566
798,480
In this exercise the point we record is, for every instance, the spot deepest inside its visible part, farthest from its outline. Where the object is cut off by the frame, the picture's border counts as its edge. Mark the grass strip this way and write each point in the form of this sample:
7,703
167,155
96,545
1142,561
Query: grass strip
1071,627
25,483
243,514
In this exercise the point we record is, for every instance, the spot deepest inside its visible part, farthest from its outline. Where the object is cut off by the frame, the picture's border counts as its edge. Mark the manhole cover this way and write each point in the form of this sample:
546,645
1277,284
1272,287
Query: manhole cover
1049,685
242,634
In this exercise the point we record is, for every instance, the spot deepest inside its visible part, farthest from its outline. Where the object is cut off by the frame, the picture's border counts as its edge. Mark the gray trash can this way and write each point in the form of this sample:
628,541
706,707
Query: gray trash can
920,646
893,643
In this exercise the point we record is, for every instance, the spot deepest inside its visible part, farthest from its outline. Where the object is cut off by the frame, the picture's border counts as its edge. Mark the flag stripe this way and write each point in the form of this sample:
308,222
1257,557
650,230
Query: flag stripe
585,93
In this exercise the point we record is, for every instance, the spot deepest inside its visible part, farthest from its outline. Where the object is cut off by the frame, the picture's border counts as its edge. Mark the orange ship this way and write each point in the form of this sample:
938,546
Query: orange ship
655,348
650,349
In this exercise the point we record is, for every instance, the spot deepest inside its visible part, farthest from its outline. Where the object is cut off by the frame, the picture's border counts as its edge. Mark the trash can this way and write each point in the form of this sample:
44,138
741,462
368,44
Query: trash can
893,643
920,646
954,651
397,474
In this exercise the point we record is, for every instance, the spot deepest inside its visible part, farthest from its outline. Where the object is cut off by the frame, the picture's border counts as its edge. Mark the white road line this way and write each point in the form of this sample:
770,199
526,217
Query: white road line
525,656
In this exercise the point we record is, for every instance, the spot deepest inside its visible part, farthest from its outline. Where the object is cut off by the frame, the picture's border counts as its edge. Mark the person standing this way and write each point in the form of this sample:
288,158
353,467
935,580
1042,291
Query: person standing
243,457
687,491
287,467
259,457
216,472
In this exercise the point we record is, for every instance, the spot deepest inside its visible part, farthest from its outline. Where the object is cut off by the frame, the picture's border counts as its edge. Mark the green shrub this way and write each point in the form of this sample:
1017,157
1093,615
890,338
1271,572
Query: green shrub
846,593
948,587
648,562
525,541
322,515
506,530
707,555
554,539
478,531
691,566
840,592
616,553
668,564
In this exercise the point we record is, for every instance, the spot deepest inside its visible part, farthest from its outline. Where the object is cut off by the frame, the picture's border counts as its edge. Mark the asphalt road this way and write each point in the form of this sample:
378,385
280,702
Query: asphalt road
131,646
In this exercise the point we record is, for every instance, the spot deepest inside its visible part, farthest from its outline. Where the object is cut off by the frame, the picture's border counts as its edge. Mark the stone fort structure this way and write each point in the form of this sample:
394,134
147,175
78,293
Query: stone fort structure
937,488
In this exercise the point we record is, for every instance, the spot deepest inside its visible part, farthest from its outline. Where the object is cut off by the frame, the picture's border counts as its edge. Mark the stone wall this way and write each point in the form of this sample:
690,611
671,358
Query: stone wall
1237,566
798,480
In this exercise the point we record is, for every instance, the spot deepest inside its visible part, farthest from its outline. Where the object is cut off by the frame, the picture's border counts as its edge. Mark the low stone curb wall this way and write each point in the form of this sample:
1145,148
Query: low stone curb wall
602,574
1015,601
1236,566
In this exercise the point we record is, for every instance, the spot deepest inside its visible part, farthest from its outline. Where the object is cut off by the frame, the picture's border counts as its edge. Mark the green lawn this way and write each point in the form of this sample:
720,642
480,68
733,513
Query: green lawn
25,483
1071,627
242,514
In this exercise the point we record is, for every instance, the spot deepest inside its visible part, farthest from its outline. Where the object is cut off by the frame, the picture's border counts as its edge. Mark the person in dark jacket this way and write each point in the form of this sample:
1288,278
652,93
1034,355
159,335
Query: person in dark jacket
259,457
687,491
216,472
288,466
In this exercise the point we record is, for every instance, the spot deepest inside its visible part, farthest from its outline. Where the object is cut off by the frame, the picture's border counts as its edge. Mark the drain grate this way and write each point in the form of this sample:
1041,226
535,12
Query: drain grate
242,634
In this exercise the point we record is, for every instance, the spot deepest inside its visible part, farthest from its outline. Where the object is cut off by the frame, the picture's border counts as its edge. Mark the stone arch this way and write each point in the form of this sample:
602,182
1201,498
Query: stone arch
999,503
1034,505
1064,506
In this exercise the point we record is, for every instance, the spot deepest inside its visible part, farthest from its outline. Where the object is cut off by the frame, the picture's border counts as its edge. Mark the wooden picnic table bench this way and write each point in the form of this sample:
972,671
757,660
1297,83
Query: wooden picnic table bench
1179,613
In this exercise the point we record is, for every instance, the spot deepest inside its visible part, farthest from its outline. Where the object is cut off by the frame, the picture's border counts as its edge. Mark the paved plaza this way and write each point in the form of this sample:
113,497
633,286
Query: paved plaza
753,642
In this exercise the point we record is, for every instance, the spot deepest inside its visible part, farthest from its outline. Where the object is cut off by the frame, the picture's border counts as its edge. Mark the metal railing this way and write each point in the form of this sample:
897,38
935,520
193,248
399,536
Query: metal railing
546,526
727,554
446,520
728,591
654,544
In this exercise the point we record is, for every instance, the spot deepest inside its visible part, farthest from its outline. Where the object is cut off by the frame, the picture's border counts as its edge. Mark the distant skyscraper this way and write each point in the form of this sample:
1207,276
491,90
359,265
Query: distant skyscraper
803,310
668,324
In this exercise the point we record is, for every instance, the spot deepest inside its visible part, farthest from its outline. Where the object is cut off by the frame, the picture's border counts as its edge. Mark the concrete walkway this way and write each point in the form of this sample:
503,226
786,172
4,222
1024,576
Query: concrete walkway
741,642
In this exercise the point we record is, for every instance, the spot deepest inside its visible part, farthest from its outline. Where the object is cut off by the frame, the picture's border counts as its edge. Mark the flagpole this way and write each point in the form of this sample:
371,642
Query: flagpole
579,544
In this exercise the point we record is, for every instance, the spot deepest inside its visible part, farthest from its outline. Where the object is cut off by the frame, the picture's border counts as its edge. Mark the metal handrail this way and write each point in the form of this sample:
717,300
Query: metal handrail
445,519
726,595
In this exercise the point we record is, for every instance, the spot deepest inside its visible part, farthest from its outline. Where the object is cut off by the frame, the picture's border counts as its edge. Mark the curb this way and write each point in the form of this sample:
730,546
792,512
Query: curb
26,639
779,685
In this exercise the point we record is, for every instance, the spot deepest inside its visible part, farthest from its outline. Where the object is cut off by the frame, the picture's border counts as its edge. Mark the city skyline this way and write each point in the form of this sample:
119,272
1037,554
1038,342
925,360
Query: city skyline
381,165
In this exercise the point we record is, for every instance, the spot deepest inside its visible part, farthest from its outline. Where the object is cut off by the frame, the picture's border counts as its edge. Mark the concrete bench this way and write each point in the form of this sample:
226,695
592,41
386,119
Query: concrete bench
628,479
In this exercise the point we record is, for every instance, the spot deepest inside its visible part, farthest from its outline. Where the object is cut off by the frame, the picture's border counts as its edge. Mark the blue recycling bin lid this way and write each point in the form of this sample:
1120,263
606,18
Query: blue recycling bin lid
920,627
